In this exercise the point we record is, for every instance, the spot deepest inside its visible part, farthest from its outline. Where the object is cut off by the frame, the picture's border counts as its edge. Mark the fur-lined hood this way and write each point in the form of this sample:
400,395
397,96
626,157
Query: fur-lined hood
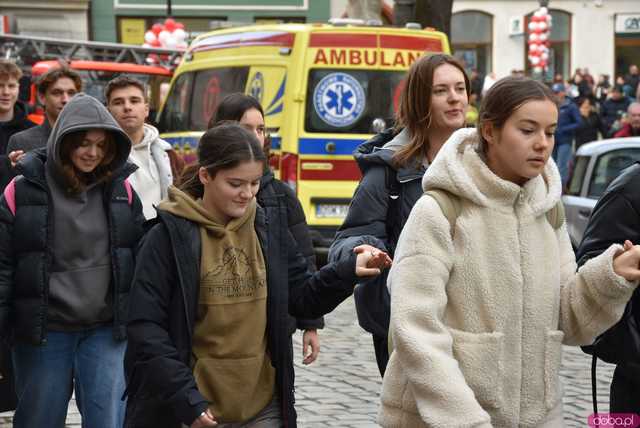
460,169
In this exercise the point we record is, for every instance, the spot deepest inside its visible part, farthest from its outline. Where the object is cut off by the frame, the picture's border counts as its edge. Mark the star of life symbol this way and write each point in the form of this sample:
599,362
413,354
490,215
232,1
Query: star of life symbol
339,99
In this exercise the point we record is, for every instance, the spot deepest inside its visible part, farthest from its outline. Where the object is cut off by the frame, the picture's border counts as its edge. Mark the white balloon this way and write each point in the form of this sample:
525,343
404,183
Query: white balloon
182,45
532,26
542,25
171,42
535,60
543,37
146,45
544,56
533,47
533,37
163,36
149,36
179,34
543,10
537,69
537,13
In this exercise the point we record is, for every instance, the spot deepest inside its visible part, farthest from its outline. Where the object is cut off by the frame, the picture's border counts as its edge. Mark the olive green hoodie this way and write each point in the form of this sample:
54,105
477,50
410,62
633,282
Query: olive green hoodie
231,365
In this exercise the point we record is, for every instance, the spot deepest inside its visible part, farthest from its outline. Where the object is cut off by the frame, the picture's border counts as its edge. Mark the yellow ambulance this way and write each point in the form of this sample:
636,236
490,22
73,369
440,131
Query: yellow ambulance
324,88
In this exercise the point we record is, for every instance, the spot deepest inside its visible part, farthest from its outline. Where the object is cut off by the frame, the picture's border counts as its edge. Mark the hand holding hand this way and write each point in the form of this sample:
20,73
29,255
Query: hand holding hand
627,263
15,156
311,340
206,419
370,260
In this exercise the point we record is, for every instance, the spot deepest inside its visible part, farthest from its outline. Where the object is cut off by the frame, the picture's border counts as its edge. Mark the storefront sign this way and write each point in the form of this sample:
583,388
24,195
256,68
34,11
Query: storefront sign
628,23
132,31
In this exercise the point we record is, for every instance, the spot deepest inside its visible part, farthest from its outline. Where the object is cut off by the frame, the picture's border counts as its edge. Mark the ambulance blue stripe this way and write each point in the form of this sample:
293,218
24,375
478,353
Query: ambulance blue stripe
318,146
278,109
279,94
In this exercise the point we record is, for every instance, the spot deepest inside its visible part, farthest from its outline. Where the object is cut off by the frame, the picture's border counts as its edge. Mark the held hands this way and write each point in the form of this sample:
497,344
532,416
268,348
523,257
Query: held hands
370,260
311,340
627,263
15,156
205,419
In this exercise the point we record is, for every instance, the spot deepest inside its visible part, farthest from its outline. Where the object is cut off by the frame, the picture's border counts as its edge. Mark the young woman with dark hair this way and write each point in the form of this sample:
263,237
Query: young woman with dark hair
484,287
216,279
433,105
247,111
69,224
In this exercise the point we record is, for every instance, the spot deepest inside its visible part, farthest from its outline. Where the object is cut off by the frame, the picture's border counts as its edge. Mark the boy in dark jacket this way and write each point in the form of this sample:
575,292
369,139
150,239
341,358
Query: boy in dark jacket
13,114
616,217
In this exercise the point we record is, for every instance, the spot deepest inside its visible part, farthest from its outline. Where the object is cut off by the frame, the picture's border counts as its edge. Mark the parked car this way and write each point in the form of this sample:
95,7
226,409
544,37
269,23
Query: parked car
595,165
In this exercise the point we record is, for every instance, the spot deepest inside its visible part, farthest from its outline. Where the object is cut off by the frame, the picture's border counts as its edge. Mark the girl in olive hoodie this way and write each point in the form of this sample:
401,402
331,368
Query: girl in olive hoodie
216,279
482,301
69,224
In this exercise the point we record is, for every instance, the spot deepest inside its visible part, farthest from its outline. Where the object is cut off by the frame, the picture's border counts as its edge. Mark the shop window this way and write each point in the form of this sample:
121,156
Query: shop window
559,48
471,40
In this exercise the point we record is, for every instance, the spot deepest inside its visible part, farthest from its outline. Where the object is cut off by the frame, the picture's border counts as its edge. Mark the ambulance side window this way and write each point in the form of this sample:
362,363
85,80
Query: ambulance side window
209,88
175,115
348,101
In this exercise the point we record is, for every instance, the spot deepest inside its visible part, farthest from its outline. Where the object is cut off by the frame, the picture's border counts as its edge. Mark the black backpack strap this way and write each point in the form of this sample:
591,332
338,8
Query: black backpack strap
594,386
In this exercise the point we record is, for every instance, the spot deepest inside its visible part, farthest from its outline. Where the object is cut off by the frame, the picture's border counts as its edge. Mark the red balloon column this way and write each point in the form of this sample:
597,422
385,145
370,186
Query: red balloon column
170,35
539,29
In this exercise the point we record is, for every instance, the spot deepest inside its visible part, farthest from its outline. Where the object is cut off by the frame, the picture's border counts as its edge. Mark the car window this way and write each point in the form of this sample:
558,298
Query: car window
175,115
608,167
347,101
209,87
577,175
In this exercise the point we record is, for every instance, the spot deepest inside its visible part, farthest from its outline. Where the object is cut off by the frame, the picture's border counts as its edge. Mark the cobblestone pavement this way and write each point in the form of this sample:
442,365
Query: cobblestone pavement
341,388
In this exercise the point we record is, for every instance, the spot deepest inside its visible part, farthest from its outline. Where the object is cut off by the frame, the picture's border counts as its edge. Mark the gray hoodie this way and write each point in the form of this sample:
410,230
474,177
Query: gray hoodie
80,294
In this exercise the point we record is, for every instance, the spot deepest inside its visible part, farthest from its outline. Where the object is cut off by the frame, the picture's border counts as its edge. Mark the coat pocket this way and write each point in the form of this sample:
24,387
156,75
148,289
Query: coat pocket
481,360
552,361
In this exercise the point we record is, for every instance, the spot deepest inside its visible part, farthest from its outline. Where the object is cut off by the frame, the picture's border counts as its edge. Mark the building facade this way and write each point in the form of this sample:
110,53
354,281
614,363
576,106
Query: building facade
602,35
62,19
126,21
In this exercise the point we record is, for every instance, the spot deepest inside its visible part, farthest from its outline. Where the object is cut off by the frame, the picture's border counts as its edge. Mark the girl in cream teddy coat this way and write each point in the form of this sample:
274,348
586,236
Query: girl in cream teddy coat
479,312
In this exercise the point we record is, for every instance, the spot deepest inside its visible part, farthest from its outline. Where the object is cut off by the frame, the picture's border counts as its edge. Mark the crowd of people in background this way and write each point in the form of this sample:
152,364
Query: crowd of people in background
590,110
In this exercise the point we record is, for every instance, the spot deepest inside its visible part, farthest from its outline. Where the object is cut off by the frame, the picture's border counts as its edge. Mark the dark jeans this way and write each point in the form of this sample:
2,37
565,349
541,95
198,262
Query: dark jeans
381,346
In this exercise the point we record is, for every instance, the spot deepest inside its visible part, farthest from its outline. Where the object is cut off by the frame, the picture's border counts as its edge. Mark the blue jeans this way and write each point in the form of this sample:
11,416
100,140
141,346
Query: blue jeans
45,376
562,157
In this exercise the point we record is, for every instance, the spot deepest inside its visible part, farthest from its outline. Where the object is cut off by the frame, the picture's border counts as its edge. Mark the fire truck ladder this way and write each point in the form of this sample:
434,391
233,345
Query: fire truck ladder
29,49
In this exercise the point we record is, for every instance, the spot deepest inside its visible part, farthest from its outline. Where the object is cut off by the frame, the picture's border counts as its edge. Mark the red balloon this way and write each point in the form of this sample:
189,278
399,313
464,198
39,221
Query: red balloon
155,43
169,25
179,25
538,31
542,63
156,28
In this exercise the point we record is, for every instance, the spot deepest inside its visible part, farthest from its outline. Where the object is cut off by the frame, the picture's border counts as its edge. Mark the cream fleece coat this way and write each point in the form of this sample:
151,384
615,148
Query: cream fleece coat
478,321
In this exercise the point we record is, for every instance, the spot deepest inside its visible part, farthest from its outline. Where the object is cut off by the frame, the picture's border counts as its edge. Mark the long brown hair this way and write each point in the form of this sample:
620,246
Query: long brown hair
77,181
414,113
222,147
505,97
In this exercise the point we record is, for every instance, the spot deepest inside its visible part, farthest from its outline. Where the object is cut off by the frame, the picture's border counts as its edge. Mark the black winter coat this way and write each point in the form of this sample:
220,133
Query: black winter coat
271,187
616,217
19,123
25,251
164,300
371,219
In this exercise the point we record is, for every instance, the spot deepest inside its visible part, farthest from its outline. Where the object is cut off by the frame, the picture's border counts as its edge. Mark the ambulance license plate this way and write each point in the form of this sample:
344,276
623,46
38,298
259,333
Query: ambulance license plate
331,210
